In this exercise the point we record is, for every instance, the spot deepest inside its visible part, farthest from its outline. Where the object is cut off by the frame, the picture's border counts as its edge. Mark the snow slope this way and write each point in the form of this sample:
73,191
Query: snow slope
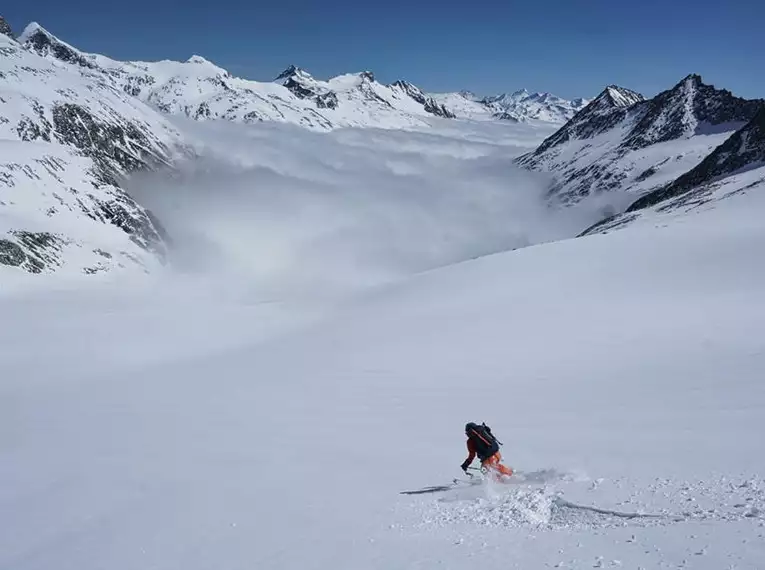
201,427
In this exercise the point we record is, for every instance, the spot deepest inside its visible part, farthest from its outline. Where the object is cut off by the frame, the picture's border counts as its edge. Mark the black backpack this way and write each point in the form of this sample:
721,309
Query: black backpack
483,440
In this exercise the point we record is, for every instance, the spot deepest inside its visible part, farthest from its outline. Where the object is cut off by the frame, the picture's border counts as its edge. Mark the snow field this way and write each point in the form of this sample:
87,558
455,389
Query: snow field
237,419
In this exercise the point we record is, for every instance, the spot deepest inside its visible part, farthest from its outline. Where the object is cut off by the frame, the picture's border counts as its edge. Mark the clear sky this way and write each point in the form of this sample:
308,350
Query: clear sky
569,48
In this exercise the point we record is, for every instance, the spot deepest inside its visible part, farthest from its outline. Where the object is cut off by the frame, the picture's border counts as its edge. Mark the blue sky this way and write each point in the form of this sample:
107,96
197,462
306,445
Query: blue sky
568,48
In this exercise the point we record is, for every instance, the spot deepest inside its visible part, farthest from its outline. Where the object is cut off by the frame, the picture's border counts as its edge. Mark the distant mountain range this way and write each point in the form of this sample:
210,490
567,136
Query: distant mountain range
520,106
73,125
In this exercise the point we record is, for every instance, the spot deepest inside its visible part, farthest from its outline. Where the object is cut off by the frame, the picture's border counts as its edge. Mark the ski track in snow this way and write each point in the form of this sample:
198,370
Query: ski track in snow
544,506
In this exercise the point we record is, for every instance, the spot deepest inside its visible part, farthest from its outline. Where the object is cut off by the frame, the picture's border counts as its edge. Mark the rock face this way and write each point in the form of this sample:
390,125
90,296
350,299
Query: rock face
5,28
688,109
428,103
622,142
38,40
69,137
602,114
743,151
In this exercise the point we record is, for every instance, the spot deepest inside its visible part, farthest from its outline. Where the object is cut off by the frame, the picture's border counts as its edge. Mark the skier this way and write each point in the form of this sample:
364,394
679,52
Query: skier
481,442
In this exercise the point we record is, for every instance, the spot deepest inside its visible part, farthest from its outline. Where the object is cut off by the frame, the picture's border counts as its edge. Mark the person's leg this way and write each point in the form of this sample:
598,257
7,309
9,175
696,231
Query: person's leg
494,463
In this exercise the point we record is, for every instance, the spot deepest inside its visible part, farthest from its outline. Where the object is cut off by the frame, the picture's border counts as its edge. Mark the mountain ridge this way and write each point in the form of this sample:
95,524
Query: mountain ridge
626,143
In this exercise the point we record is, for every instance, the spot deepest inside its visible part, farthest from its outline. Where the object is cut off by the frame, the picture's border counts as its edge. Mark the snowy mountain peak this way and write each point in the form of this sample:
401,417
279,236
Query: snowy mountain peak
32,29
292,71
207,67
691,81
620,142
429,103
5,28
519,106
199,59
43,43
743,151
614,96
691,107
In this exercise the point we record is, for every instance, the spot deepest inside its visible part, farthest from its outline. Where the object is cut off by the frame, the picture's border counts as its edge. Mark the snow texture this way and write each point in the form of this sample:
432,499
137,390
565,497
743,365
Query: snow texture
191,424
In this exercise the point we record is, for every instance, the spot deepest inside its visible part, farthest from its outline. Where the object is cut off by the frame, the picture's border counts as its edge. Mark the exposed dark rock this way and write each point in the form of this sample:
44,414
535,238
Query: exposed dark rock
646,174
41,250
5,28
327,100
252,117
123,212
134,85
429,104
689,108
29,128
367,75
113,146
298,89
603,113
432,107
287,73
202,112
745,149
11,253
45,44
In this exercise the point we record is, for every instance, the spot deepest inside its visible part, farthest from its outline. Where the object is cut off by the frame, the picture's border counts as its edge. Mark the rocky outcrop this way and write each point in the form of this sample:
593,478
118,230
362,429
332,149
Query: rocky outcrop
5,28
605,147
689,108
743,151
37,39
64,197
428,103
610,108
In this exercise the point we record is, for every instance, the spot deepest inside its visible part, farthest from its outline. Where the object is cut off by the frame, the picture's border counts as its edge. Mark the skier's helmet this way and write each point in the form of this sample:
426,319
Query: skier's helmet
469,426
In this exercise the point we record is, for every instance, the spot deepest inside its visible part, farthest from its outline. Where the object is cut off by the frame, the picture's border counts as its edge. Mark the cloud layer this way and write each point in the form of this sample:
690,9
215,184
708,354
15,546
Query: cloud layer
296,212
